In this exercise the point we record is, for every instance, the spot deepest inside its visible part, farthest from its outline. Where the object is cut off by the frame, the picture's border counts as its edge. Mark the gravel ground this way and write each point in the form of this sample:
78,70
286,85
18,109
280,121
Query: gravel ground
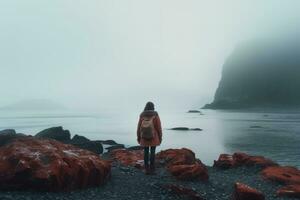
129,184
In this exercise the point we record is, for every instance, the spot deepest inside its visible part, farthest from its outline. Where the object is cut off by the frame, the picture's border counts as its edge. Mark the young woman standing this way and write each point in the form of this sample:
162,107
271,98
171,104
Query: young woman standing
149,135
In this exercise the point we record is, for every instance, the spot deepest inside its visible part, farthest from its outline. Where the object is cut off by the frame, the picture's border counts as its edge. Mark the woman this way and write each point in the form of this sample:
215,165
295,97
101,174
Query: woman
149,135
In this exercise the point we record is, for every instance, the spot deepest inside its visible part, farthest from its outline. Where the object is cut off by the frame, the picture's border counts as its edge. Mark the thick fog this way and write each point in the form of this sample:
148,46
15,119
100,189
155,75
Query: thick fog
100,54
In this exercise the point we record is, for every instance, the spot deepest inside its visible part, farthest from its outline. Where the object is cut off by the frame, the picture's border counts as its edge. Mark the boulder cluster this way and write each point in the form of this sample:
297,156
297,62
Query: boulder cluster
226,161
181,163
53,161
49,165
289,176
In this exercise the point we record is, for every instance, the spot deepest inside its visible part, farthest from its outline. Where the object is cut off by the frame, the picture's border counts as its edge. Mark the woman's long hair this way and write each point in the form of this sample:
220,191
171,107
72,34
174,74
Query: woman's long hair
149,106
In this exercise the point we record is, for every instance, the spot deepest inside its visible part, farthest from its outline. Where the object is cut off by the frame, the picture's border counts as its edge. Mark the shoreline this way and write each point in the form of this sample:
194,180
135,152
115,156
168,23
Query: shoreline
179,174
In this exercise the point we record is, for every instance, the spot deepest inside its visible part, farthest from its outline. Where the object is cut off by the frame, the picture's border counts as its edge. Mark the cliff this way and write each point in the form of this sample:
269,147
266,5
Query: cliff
260,74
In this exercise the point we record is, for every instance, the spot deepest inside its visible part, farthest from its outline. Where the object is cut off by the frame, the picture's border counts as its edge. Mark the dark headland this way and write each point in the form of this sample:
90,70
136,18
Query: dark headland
260,74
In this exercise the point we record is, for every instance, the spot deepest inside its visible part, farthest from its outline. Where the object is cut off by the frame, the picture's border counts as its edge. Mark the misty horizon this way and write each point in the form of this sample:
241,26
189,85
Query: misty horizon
121,54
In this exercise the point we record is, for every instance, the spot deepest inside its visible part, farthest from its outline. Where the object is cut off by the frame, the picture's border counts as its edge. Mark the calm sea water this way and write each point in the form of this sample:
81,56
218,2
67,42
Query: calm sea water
275,134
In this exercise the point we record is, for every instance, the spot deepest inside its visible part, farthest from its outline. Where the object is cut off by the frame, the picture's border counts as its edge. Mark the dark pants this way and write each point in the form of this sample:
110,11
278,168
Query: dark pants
152,156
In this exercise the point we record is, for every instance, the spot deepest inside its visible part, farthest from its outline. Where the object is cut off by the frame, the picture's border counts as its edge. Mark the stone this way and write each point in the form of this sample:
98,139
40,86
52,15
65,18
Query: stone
56,133
245,192
79,139
289,191
196,129
285,175
226,161
8,135
49,165
196,171
128,158
194,111
183,191
177,157
109,142
180,129
135,148
8,132
183,165
93,146
248,160
256,127
185,129
113,147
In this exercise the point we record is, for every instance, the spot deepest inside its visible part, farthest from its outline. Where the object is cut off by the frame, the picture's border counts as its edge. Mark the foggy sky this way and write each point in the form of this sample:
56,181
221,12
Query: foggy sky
95,54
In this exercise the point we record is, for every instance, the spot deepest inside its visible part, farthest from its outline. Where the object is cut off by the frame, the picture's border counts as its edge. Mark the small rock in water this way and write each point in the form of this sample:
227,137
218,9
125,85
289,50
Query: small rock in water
185,129
180,129
194,111
196,129
256,127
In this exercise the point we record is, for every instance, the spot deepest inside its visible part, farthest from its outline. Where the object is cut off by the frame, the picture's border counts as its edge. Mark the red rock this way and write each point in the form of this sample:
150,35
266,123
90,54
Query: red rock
285,175
49,165
226,161
247,160
177,157
133,158
179,162
289,191
196,171
183,164
183,191
245,192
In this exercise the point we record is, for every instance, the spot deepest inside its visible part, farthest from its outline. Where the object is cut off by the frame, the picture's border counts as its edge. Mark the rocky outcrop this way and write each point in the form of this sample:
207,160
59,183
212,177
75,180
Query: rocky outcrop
195,171
8,135
245,192
93,146
108,142
226,161
133,158
48,165
59,134
183,191
284,175
171,157
135,148
260,74
114,147
79,139
8,132
289,191
183,165
289,176
56,133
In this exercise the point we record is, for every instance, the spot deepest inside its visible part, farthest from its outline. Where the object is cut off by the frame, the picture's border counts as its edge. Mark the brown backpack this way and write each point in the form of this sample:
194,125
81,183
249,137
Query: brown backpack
147,129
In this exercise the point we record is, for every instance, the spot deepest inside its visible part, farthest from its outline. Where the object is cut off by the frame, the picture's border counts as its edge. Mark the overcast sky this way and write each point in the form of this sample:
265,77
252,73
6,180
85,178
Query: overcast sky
97,53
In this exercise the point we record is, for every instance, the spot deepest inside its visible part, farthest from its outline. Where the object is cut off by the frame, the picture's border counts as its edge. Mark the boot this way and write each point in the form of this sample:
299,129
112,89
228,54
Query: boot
152,169
147,170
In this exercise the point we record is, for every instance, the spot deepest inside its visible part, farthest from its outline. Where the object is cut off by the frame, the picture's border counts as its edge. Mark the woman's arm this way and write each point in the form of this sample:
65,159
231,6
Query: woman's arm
138,130
158,127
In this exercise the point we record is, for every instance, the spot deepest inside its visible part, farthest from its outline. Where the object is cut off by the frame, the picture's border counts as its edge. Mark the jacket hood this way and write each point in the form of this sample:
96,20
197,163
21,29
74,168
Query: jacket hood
148,113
